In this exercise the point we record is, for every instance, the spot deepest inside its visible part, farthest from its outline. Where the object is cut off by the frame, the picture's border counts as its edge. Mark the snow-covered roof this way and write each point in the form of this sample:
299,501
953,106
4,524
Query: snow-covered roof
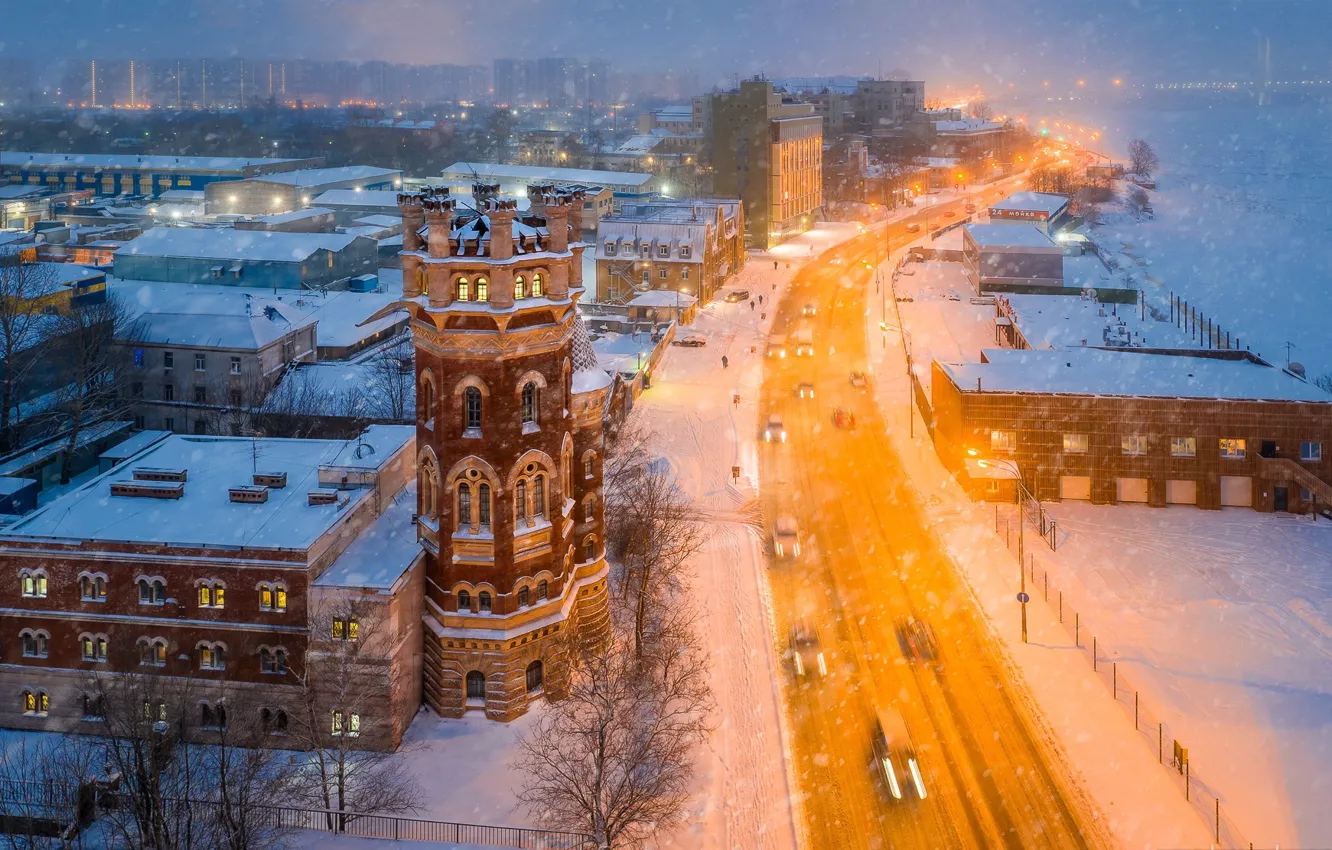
587,372
380,221
653,234
967,125
338,313
353,198
467,171
381,553
1012,236
640,144
228,244
18,190
1128,373
308,177
1032,202
941,161
1070,321
135,161
204,515
268,322
133,445
293,215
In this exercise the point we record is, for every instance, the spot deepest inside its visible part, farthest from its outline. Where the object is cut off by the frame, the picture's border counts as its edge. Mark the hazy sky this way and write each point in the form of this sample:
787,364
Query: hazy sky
984,41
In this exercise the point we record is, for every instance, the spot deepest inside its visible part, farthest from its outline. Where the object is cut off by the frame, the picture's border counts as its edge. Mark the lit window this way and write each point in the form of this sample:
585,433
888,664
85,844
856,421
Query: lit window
152,653
1003,441
345,724
464,289
482,289
272,597
33,583
94,647
1233,449
1133,444
212,656
345,628
1311,451
36,703
519,287
212,594
1183,446
538,285
1075,444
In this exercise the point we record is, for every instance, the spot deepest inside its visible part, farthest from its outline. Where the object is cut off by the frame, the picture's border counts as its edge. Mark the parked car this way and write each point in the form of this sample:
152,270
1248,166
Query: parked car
844,419
805,343
691,341
896,755
858,380
913,227
809,310
773,432
806,649
786,537
777,345
737,295
805,390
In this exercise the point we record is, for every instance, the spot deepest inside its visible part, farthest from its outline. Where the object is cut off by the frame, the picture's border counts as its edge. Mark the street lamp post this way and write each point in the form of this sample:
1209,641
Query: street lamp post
884,327
1018,492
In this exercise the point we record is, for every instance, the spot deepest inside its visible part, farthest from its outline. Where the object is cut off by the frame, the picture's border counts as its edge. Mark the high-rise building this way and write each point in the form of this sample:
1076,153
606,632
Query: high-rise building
510,400
887,103
767,150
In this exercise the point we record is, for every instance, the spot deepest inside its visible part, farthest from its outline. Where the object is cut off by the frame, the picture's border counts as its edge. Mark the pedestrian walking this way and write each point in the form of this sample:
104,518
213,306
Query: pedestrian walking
751,305
774,265
725,362
760,300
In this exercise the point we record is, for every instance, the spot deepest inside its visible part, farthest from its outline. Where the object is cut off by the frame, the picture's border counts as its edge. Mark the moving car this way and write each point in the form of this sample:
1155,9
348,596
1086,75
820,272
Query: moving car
896,756
809,310
913,227
737,295
858,380
949,214
916,640
806,649
844,419
805,343
786,537
691,341
805,390
971,208
777,345
837,261
773,432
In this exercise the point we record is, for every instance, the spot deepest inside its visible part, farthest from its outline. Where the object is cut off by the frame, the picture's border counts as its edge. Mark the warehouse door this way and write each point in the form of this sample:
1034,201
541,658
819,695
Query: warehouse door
1181,492
1075,487
1236,491
1132,490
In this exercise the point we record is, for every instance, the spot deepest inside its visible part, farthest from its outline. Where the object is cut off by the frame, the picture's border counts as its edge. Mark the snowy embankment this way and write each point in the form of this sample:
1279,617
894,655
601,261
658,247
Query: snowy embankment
1141,807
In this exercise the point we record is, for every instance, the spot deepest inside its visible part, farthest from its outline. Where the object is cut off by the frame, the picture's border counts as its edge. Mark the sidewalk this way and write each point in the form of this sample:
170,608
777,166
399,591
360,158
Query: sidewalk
743,795
1140,806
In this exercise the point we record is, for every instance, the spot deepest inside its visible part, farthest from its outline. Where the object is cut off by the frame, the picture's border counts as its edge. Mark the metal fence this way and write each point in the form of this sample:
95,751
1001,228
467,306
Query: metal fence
47,799
1171,753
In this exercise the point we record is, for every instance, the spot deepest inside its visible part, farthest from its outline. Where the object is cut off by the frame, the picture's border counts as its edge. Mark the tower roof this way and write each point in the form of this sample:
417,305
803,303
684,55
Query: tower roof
587,372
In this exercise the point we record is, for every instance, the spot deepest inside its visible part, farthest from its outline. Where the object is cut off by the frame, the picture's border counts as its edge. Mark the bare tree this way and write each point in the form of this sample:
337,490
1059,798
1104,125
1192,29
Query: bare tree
614,758
1138,202
1142,159
95,357
981,110
343,678
43,780
24,332
391,387
653,529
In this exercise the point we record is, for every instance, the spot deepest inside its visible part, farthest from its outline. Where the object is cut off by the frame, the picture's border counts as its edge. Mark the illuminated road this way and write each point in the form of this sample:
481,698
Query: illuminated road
866,561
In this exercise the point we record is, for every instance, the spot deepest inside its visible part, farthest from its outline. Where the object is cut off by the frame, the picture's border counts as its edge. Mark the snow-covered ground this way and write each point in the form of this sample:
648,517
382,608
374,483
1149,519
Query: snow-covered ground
1141,806
1243,217
1224,620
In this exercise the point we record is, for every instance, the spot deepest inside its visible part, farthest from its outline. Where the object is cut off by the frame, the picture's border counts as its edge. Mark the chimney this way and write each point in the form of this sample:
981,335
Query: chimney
439,215
413,217
501,215
576,200
557,224
536,196
482,192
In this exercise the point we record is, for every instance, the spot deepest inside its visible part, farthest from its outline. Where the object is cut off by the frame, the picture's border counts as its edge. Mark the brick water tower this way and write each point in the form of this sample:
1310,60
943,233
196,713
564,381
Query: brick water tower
509,411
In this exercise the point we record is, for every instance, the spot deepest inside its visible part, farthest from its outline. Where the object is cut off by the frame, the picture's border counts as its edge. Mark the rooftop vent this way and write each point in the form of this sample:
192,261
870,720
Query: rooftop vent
276,480
148,489
323,496
156,473
249,494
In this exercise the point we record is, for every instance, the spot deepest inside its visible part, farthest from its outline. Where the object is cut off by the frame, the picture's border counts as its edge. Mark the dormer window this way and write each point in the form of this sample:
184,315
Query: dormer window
663,251
686,252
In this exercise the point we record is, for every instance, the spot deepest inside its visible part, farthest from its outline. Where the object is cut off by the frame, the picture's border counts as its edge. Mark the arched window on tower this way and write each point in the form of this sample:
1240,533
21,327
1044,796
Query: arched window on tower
538,285
464,289
529,403
539,497
519,287
428,401
464,506
472,410
520,500
427,487
482,289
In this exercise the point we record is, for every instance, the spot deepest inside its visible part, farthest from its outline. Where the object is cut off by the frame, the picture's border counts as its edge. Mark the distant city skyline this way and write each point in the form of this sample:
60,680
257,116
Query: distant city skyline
953,42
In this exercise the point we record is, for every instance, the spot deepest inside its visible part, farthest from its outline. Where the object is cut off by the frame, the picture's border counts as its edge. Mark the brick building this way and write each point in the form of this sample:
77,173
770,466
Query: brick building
1213,430
691,246
510,402
212,561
